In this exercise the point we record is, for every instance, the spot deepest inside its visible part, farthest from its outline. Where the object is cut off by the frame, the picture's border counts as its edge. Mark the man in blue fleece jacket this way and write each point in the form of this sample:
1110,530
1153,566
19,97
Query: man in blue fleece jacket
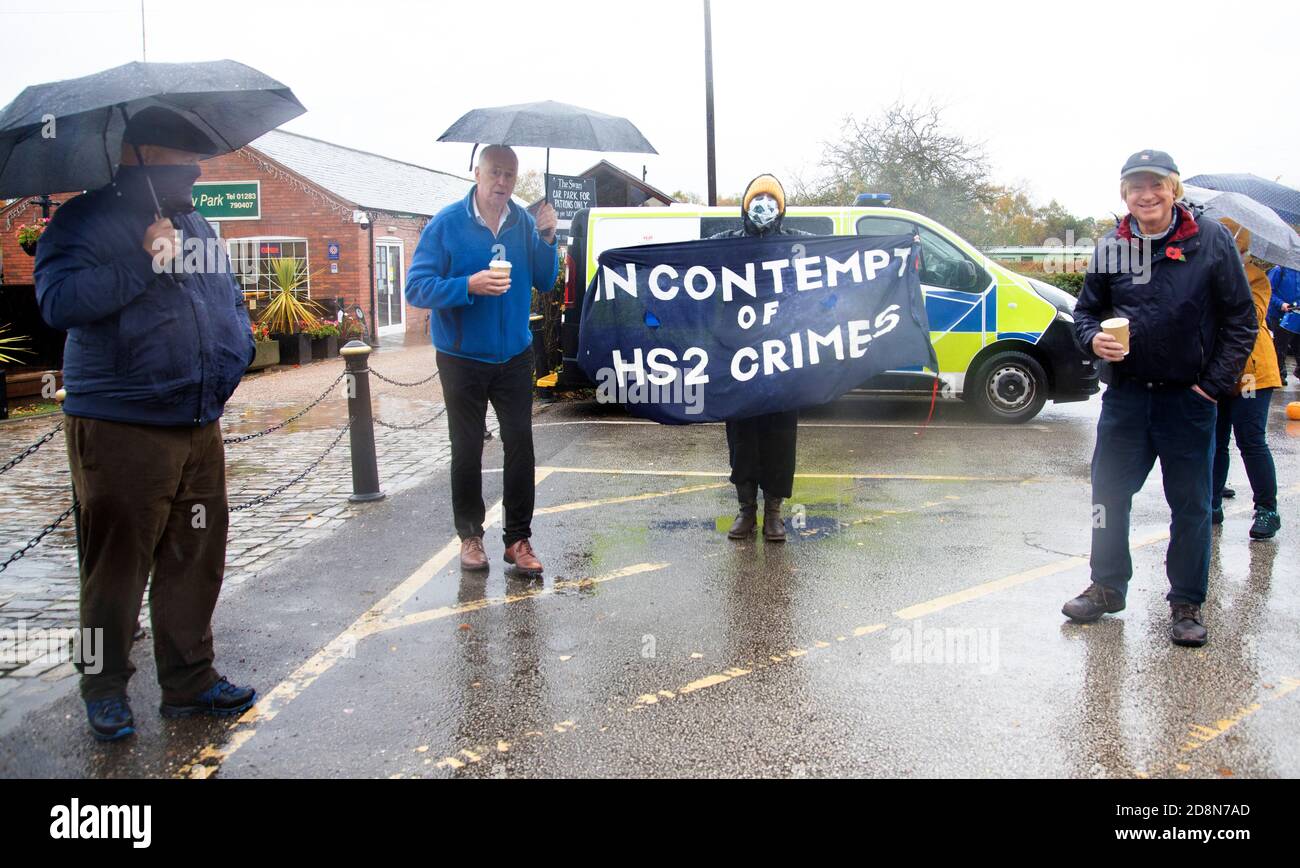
480,328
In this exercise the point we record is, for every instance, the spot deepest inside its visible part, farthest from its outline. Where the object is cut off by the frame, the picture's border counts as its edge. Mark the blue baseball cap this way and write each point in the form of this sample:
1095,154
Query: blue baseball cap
1155,162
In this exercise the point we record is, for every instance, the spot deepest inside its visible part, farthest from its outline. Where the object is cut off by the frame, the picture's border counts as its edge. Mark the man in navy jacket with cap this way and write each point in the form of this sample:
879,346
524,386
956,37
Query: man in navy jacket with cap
1180,284
153,352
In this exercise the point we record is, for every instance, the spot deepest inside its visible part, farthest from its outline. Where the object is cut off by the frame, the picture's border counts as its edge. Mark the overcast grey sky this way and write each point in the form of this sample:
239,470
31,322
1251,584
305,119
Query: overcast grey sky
1059,93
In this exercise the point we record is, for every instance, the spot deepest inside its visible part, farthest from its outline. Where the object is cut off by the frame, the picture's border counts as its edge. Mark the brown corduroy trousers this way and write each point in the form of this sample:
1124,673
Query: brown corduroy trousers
153,499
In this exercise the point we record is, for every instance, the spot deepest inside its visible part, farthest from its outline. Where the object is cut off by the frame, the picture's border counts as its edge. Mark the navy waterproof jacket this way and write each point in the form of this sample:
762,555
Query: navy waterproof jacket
142,347
1192,323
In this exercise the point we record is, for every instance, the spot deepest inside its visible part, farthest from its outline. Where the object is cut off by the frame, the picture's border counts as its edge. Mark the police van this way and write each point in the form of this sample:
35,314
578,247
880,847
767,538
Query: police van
1004,342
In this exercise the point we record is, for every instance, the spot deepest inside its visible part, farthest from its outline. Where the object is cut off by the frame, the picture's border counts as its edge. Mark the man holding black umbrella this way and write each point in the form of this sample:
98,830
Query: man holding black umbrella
475,267
152,356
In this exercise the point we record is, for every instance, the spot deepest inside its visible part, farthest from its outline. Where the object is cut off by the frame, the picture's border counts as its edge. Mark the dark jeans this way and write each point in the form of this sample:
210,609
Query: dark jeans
467,386
1247,418
152,498
1286,343
762,451
1138,426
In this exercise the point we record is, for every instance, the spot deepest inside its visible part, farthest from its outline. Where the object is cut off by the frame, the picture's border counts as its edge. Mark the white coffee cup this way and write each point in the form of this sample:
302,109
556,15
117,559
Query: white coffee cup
500,266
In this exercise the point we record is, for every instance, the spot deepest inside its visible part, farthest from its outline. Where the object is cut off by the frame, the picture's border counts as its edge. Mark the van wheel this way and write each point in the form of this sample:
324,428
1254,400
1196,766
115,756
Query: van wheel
1010,387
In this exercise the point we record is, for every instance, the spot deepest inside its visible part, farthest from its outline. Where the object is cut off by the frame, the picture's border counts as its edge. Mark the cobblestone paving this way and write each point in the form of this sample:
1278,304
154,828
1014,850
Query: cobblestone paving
39,592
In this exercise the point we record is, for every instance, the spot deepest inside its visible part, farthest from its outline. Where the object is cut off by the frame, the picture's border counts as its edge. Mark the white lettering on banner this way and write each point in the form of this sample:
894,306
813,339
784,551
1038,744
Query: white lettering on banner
731,279
807,273
744,353
709,283
804,275
614,279
834,268
833,339
775,266
656,289
746,316
875,260
769,310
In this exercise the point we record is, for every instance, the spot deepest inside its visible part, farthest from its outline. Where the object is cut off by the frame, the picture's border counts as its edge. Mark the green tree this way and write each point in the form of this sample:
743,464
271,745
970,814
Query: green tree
530,186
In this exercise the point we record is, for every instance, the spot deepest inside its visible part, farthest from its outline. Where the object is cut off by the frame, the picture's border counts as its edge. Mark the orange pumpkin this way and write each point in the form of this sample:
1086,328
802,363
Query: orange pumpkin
1293,410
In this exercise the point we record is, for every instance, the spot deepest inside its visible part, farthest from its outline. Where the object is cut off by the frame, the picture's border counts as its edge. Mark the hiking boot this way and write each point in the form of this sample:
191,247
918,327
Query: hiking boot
110,719
773,523
1185,626
522,557
221,699
472,556
1216,515
1098,600
746,519
1267,524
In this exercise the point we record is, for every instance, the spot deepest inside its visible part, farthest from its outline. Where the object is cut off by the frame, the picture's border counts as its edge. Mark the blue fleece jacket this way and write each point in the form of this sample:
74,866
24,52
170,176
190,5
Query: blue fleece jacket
142,347
455,246
1286,288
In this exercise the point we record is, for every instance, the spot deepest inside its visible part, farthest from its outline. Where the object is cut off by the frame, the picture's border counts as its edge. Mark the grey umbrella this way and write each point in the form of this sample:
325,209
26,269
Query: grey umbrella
1270,238
67,135
1281,198
547,125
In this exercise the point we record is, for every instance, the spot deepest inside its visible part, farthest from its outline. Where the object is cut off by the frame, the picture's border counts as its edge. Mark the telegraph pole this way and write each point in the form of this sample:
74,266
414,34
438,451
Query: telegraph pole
708,103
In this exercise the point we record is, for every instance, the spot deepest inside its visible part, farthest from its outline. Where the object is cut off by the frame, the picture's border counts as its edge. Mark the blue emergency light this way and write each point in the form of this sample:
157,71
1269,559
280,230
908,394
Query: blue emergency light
872,200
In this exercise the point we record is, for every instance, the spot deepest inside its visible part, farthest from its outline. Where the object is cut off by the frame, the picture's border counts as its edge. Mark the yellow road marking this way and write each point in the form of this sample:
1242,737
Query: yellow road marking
492,602
916,477
630,498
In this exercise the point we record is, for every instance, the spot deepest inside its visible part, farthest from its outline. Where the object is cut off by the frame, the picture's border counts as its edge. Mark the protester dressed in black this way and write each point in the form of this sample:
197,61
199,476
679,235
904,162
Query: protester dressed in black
762,447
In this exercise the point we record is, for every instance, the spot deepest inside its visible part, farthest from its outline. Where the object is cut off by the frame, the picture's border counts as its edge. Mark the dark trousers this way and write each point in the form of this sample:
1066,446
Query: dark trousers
1137,426
762,451
1247,418
1286,343
152,499
467,387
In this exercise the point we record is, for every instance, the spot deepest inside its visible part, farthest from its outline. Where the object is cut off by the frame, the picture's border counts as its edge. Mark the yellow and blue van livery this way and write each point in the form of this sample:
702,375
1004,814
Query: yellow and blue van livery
1004,342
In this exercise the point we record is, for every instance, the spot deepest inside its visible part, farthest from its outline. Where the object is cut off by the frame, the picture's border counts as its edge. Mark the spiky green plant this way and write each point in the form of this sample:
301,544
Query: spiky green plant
286,312
12,344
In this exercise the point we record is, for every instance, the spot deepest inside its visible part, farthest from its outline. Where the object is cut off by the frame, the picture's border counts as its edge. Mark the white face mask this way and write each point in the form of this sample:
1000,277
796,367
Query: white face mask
763,210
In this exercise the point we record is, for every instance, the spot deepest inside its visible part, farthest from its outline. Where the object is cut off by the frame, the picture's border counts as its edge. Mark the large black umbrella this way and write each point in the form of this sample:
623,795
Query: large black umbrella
548,125
67,135
1282,199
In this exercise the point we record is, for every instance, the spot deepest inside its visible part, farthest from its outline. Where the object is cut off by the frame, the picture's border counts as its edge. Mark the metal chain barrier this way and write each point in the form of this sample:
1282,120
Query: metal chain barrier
14,462
244,438
417,426
428,379
263,498
36,540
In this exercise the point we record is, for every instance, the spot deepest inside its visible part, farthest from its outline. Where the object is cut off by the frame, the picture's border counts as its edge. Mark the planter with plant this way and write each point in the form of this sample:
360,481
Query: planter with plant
30,233
286,315
11,347
268,350
324,338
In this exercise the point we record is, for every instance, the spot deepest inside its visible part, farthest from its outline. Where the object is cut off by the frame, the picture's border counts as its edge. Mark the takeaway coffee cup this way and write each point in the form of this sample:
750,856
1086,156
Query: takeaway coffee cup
500,266
1118,329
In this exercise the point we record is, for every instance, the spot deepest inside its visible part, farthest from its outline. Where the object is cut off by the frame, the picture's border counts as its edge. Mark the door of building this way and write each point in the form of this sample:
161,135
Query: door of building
389,287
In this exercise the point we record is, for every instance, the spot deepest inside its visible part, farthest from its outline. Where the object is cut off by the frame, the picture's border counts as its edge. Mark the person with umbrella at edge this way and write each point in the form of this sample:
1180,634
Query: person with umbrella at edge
151,358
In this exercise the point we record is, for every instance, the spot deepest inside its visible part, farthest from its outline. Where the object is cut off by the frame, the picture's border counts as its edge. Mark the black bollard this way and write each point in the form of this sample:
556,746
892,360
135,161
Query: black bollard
365,467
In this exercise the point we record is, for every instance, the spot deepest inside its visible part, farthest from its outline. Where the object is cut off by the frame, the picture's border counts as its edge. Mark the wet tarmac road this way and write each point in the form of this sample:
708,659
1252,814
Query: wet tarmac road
910,627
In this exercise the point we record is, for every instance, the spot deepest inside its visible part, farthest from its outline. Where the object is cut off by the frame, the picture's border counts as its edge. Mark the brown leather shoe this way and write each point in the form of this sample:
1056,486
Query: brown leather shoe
472,556
1098,600
1185,627
523,558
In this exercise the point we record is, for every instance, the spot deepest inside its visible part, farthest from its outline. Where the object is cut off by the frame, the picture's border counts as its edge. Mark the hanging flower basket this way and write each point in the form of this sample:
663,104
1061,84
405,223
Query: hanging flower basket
30,233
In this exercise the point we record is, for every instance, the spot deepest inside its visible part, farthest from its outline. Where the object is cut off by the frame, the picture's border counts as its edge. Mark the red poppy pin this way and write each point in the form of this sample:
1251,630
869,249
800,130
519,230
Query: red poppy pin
1175,253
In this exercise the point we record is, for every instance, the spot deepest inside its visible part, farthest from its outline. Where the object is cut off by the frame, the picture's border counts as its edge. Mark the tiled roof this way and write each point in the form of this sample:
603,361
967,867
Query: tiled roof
364,179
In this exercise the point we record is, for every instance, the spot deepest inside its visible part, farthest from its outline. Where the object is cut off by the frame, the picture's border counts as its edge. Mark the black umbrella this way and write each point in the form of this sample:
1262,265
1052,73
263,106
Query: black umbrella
547,125
67,135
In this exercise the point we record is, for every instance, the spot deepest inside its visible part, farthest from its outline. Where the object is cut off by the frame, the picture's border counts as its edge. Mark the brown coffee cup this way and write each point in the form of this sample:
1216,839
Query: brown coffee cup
500,266
1118,329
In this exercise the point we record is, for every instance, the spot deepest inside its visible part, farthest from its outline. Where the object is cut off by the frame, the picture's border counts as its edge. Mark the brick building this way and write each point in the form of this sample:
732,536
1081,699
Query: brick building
352,217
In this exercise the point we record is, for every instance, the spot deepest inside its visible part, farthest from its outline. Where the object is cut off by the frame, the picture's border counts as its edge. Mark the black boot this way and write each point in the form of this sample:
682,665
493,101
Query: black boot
773,523
1185,625
746,519
1098,600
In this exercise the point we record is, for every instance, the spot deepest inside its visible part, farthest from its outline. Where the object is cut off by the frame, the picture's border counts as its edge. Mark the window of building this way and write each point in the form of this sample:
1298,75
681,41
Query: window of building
251,259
